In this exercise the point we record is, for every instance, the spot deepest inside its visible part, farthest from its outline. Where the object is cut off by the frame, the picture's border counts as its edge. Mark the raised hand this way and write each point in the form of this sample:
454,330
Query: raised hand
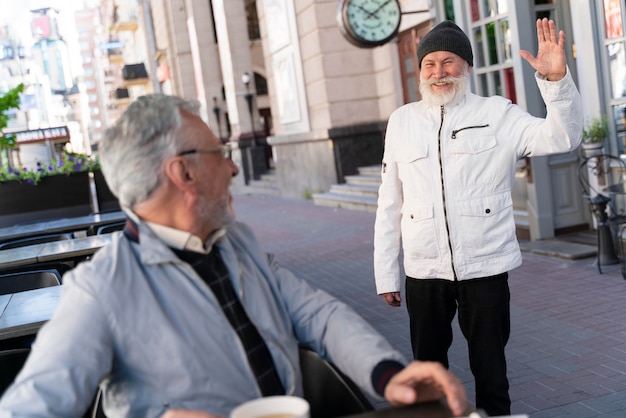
550,60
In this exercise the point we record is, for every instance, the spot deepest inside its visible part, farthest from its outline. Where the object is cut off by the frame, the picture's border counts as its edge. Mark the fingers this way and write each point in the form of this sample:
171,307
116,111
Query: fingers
528,57
546,32
392,298
426,381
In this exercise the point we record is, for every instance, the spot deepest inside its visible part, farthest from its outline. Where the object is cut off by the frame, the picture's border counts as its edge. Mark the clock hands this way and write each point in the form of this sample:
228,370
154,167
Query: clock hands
369,14
374,14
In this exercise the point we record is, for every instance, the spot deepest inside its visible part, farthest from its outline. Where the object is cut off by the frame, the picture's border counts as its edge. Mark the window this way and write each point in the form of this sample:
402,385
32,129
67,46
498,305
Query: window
490,35
260,83
615,53
407,54
253,20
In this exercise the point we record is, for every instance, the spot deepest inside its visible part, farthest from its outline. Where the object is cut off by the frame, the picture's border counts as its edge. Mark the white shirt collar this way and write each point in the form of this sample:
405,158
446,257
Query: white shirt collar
181,240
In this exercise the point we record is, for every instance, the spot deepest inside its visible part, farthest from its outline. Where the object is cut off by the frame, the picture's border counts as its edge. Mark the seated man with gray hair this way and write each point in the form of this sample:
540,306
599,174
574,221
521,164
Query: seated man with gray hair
183,314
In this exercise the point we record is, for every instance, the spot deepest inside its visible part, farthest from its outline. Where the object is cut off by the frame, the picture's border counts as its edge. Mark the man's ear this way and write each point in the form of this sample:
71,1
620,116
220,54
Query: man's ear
177,170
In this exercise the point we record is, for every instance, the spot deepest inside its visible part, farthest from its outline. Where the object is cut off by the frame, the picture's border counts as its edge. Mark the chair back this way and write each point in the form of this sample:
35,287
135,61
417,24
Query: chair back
107,228
23,242
11,362
602,180
28,280
329,392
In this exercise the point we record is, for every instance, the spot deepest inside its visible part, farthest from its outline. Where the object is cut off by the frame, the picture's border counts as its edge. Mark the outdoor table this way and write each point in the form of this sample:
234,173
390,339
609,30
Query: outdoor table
23,313
52,251
79,223
21,256
72,248
418,410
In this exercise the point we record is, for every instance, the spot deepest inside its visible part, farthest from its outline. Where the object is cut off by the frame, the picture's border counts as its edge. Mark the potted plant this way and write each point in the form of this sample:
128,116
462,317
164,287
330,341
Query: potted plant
55,189
594,134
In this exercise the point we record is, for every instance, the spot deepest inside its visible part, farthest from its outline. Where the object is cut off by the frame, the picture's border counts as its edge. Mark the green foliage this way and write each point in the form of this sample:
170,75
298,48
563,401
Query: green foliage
596,130
10,100
68,164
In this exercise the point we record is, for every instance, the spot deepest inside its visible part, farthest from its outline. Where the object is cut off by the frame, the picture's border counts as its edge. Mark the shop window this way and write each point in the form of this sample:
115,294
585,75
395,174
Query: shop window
490,35
615,53
253,20
409,69
260,83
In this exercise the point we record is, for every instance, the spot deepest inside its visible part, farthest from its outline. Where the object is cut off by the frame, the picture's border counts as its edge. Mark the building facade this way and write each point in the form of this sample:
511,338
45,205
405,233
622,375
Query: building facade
278,79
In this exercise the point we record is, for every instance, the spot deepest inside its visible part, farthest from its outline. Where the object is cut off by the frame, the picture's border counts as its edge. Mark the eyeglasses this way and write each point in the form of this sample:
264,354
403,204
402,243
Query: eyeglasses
225,150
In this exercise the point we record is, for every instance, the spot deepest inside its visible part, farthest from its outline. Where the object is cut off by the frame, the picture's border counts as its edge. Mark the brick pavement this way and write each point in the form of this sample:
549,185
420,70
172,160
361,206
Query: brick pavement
567,352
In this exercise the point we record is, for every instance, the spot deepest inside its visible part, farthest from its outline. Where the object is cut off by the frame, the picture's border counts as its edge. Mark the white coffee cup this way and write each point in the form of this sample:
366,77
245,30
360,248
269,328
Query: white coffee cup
273,407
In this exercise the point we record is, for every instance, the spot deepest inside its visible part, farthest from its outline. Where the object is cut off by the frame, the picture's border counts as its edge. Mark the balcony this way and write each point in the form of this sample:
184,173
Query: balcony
126,25
135,75
124,17
121,95
116,56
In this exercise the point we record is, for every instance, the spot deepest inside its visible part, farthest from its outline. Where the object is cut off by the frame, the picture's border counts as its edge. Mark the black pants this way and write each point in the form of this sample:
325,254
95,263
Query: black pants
484,318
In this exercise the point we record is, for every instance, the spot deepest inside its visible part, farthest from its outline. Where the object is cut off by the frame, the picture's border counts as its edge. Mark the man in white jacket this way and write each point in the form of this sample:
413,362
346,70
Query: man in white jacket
445,199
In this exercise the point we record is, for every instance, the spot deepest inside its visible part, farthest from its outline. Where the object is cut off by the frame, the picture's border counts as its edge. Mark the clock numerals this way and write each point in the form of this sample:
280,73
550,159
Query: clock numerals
369,23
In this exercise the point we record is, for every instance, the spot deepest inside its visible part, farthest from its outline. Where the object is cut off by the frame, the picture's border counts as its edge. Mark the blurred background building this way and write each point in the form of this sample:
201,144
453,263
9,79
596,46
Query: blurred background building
299,102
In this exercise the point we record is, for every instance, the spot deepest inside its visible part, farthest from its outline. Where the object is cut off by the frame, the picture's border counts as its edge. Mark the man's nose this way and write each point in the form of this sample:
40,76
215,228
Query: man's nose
439,71
234,169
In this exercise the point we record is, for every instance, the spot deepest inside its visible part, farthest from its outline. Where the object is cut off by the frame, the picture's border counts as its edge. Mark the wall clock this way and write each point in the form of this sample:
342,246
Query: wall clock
369,23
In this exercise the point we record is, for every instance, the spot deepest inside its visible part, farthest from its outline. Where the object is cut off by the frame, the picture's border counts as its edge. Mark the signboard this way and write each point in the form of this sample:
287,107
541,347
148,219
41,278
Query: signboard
111,45
40,135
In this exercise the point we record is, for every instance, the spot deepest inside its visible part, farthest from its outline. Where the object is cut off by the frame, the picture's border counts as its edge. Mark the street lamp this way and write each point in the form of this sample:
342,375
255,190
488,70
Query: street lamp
217,111
246,78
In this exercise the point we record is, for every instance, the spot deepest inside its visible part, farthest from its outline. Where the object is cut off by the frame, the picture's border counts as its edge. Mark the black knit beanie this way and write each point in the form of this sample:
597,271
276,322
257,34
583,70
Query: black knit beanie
446,36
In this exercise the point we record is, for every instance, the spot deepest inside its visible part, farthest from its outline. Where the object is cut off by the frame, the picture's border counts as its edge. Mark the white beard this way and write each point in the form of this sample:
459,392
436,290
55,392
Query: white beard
452,97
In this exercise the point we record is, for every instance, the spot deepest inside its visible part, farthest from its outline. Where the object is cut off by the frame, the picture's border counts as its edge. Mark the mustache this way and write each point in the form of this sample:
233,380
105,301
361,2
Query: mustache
446,79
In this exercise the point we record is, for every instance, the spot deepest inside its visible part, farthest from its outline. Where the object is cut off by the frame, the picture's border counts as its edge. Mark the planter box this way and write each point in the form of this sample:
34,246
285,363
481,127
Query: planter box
106,200
54,197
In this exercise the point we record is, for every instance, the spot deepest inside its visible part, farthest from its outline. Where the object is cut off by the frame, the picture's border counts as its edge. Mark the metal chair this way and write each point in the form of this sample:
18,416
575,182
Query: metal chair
106,228
28,280
11,362
602,180
40,239
329,392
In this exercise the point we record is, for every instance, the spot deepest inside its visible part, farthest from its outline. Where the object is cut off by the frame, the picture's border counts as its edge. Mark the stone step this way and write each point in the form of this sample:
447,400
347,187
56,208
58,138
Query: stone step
266,184
364,190
371,170
364,180
368,204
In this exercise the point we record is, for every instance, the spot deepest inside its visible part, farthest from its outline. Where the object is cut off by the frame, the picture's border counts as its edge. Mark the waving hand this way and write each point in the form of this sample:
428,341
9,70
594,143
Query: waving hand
550,60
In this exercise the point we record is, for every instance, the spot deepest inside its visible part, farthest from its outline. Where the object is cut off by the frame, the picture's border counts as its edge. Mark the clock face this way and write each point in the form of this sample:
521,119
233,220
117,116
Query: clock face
369,23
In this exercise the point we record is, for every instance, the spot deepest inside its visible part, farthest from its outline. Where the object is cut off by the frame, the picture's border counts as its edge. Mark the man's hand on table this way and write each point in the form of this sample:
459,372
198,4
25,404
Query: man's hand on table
426,381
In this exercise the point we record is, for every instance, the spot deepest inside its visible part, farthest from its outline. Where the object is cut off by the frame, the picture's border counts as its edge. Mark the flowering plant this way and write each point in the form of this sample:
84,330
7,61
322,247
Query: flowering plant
68,163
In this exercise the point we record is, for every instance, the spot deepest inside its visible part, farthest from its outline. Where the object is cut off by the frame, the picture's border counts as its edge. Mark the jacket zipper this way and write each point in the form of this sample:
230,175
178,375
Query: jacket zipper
456,131
443,189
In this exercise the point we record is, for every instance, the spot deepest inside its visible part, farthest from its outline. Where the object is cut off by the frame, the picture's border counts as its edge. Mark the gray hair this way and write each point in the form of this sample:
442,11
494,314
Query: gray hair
133,151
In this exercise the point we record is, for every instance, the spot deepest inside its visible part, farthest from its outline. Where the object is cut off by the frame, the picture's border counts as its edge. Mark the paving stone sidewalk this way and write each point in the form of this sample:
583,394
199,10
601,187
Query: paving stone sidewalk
567,352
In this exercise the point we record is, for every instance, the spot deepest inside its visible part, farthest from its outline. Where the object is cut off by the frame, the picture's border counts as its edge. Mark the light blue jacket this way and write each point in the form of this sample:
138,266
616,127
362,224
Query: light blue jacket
142,322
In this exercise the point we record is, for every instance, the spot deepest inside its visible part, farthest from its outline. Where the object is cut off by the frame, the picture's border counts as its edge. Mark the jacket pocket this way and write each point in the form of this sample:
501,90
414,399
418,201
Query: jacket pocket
472,144
409,155
419,238
488,226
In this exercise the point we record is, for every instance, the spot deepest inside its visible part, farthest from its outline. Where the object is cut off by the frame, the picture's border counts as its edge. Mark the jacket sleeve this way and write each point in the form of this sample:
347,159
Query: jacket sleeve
70,356
387,235
334,330
561,130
